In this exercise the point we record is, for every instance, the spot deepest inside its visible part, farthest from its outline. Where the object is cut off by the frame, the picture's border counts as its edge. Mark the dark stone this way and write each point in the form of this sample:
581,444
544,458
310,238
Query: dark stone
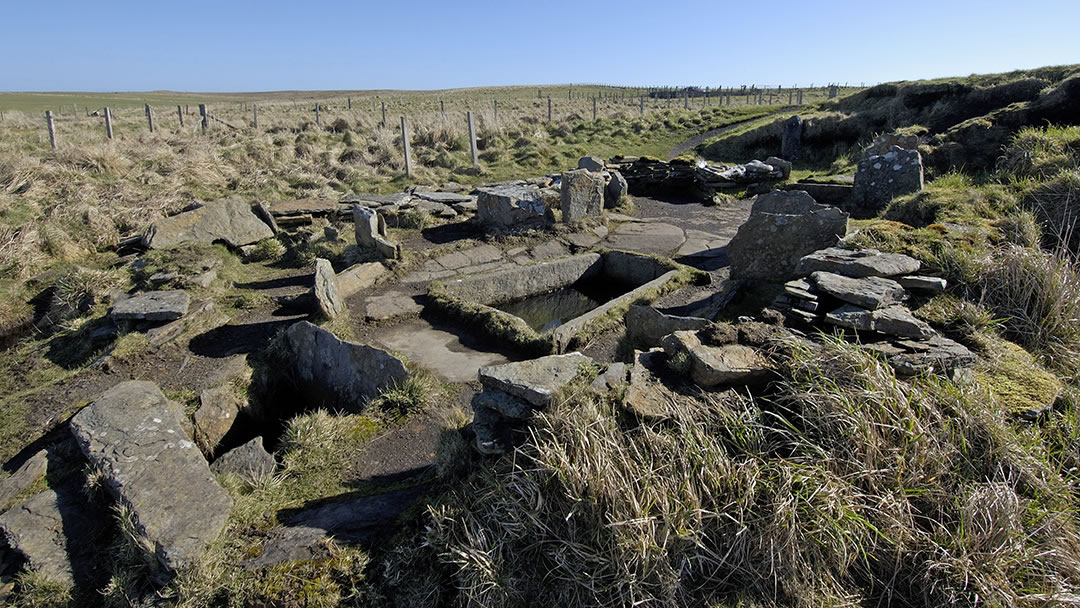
791,145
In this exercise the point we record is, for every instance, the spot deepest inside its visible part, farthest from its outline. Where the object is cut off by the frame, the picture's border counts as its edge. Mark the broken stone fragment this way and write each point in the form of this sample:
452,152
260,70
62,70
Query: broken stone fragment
925,284
152,306
857,263
591,163
536,381
718,365
231,221
218,409
613,377
507,405
646,326
250,460
870,293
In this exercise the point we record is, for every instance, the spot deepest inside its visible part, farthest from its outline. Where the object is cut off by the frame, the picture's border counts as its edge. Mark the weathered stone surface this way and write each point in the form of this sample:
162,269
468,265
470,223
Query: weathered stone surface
327,297
535,381
446,198
263,213
925,284
507,405
354,520
366,227
349,372
936,354
783,227
869,292
57,532
391,304
616,189
358,277
880,179
378,200
32,470
646,398
791,144
582,195
519,282
647,237
510,206
857,263
491,430
218,409
781,164
591,163
230,221
152,306
249,460
646,326
892,320
718,365
613,377
135,437
565,336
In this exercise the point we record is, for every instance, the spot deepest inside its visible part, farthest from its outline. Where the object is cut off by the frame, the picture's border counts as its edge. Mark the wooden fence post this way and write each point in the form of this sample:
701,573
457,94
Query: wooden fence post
180,113
350,102
204,112
149,116
472,139
255,115
442,108
108,122
52,128
383,114
405,144
641,106
549,109
594,107
317,123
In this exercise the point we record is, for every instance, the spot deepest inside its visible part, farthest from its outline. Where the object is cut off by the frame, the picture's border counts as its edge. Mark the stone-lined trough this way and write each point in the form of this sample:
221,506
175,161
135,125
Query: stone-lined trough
475,299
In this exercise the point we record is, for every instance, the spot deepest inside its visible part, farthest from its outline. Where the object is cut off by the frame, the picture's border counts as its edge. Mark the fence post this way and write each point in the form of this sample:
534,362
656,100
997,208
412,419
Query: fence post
594,107
180,113
149,116
800,97
350,102
442,108
52,128
317,123
108,122
405,144
641,106
255,115
205,114
496,102
472,139
384,114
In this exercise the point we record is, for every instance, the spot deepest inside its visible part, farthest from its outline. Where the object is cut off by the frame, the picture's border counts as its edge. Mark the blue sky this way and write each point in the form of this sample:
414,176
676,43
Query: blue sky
121,45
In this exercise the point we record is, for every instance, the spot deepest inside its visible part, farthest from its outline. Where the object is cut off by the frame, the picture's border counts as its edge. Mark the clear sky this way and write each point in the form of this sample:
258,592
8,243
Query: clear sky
121,45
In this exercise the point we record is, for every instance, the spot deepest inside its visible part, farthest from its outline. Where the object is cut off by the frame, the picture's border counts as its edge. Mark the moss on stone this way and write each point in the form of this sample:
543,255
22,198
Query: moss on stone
1014,377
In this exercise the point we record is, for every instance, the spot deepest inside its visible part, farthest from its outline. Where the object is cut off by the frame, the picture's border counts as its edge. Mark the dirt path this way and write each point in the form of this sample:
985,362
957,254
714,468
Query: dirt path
700,138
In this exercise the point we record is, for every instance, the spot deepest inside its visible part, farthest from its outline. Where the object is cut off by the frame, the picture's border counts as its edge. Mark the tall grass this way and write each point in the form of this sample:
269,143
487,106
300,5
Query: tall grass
846,488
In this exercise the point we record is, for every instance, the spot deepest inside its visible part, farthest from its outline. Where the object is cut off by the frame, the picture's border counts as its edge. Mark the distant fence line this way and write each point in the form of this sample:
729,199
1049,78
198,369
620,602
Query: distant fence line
645,98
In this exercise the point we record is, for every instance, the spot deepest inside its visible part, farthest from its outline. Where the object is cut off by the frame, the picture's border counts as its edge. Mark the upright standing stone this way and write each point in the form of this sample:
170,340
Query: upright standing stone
616,189
326,291
137,439
879,179
511,206
582,195
791,145
370,233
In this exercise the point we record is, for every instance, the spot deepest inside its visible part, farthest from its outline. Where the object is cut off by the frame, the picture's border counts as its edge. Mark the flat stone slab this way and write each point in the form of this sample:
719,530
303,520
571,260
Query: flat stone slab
924,284
391,304
446,198
32,470
351,521
647,237
231,221
343,371
57,531
858,263
646,326
892,320
442,352
358,277
870,293
536,381
507,405
701,244
153,306
474,256
377,200
646,397
135,437
935,354
304,206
